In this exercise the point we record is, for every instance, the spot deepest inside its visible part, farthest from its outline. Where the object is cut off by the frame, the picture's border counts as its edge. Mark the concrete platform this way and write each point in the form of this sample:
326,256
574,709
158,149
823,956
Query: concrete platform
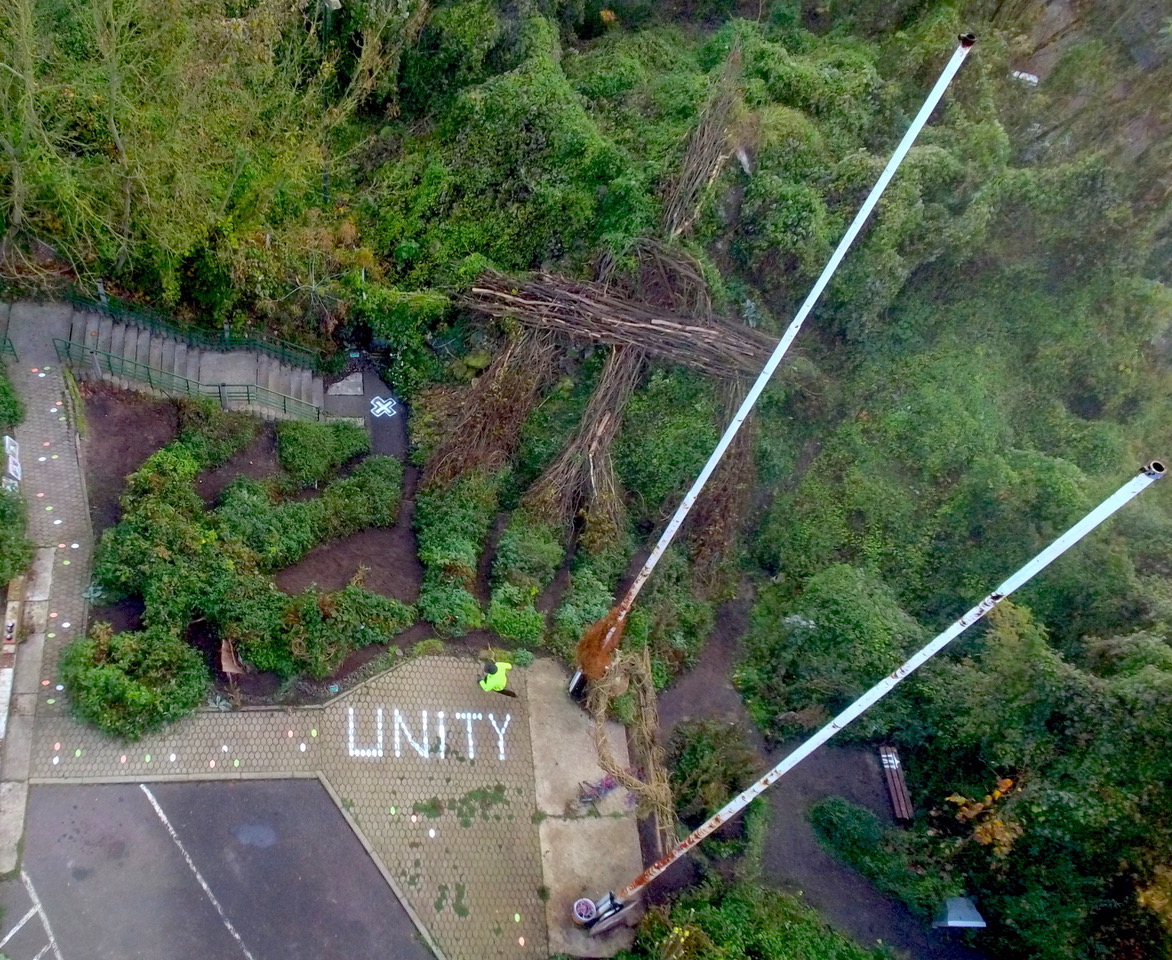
583,854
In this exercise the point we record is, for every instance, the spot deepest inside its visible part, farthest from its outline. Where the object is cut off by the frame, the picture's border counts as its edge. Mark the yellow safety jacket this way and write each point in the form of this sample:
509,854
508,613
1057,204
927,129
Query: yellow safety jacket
498,680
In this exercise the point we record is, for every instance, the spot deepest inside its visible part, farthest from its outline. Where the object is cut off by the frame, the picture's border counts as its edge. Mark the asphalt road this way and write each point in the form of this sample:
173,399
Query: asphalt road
267,870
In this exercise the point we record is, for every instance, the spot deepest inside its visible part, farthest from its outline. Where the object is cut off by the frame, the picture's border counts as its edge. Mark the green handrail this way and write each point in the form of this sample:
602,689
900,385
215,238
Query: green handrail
69,351
120,310
7,349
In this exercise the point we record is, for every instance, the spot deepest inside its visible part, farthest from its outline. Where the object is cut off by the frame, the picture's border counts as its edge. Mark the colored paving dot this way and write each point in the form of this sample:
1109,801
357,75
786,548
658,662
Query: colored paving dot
66,563
56,522
50,635
35,369
431,832
53,614
122,759
54,457
66,624
56,760
303,748
74,546
224,748
60,687
49,508
51,700
516,918
172,758
45,683
235,763
42,459
40,374
60,418
77,752
313,733
40,494
60,546
56,746
147,758
211,763
290,733
45,444
521,941
52,409
392,811
414,818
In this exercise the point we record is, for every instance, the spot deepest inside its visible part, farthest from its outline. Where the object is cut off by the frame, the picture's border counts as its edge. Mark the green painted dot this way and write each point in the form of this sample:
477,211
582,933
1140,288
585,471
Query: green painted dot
392,811
77,752
54,457
516,918
48,508
313,733
235,763
60,418
51,700
50,635
147,758
66,562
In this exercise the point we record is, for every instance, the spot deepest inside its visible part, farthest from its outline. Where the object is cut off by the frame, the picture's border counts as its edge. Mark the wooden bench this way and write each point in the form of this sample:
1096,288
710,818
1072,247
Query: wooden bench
901,801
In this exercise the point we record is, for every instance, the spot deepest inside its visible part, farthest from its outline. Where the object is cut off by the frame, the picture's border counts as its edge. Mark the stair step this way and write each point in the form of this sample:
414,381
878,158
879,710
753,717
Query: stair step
92,322
105,332
318,395
167,361
193,363
179,359
118,340
77,327
305,385
155,352
142,346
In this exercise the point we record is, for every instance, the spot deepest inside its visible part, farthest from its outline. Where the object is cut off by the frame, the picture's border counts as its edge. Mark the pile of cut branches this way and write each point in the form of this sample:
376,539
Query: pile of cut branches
487,427
594,312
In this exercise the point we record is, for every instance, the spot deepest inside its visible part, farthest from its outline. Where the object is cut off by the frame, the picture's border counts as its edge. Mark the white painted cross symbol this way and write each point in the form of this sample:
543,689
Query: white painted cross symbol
383,407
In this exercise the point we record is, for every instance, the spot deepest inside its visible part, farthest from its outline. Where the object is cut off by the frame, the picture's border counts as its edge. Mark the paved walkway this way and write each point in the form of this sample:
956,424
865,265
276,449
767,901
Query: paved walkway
436,776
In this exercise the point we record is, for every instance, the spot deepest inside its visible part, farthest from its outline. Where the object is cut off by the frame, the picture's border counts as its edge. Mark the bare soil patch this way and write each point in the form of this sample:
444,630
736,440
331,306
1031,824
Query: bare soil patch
257,461
122,430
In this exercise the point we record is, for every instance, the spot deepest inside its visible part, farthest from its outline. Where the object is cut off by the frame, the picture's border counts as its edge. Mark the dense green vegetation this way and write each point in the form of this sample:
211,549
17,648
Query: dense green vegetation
190,566
15,548
989,362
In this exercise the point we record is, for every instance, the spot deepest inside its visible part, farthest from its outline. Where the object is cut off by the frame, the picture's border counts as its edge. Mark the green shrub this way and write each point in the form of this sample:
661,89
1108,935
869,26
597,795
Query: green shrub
11,406
311,451
896,861
587,599
427,647
448,606
16,550
212,435
807,658
528,554
710,762
512,617
522,657
129,684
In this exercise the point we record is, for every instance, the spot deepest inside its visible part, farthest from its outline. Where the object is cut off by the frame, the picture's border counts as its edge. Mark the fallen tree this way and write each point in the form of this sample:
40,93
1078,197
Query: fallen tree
594,312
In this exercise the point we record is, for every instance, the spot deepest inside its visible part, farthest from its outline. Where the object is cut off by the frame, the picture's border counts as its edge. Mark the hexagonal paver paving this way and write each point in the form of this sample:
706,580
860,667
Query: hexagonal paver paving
436,774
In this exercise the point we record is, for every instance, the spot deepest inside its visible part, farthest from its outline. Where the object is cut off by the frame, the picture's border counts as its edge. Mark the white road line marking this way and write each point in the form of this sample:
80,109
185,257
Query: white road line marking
32,894
32,912
44,950
203,883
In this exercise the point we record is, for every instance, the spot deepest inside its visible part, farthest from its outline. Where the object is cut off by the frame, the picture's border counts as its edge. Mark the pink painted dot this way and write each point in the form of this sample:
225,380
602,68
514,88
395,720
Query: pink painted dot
35,369
56,746
290,733
46,444
211,763
60,546
44,683
122,759
40,494
521,940
52,614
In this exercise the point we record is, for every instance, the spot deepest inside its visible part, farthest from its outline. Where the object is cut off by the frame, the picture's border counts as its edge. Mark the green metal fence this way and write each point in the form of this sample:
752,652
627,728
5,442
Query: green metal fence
123,312
7,349
84,358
